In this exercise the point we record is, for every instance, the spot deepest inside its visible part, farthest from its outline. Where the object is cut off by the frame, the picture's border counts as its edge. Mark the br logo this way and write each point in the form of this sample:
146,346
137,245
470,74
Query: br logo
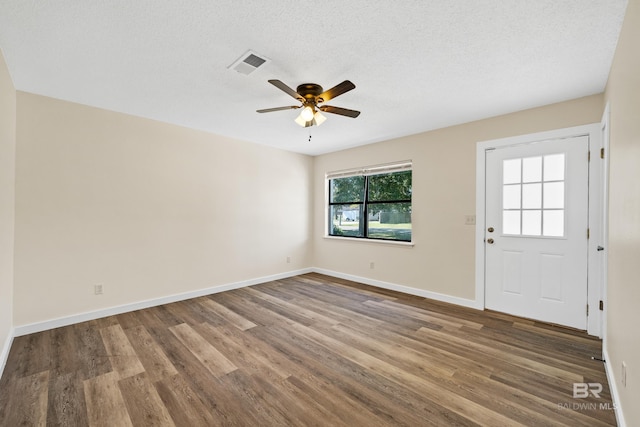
582,390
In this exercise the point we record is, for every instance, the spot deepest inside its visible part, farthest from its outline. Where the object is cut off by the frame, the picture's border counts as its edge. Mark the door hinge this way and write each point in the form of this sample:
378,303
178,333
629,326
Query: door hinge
587,309
588,233
589,156
602,153
601,305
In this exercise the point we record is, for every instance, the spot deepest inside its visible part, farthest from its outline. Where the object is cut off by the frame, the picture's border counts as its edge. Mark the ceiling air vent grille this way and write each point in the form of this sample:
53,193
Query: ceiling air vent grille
248,63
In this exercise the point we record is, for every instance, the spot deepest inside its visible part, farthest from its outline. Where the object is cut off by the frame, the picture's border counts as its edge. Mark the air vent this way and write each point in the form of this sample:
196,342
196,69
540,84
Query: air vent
248,63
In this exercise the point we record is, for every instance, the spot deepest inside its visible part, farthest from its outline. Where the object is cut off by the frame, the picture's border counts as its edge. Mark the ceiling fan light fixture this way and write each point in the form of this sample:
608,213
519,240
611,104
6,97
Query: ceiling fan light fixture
318,118
307,113
299,120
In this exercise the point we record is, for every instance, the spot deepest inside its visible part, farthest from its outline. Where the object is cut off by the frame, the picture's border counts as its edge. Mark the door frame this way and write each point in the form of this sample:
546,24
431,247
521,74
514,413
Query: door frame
594,260
605,128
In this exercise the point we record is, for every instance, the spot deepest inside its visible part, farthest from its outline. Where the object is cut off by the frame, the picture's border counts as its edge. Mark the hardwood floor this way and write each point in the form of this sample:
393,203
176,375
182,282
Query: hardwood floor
309,350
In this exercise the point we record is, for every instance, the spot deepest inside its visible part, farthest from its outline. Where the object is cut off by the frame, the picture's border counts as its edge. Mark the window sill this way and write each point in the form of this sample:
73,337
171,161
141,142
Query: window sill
371,241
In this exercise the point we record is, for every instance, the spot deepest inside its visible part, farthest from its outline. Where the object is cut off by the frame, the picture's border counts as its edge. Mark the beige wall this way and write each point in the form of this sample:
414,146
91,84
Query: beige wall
623,296
147,209
7,178
443,257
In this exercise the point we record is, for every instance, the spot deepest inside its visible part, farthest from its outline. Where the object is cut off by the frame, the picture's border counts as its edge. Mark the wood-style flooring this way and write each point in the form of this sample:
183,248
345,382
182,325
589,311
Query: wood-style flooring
306,351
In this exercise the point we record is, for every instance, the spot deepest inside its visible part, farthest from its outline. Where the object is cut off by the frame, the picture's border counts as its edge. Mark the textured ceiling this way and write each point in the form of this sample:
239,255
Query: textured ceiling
418,65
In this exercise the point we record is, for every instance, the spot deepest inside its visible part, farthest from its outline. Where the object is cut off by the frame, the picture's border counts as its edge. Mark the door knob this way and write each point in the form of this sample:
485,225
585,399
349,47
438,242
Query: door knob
490,229
490,241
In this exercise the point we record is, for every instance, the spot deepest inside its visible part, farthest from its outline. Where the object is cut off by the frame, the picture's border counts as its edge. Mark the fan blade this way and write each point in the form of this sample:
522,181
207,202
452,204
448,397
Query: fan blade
337,90
341,111
286,89
269,110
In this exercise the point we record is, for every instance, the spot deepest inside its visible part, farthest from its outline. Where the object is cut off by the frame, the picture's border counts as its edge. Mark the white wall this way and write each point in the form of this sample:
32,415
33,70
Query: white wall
7,179
146,209
623,293
443,258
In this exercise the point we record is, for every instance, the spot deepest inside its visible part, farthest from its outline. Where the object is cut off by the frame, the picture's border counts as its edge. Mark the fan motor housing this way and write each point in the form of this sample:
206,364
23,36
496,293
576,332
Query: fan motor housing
309,90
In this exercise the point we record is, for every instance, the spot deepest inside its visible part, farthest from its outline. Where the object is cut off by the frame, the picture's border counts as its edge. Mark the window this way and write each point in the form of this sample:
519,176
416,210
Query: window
371,203
533,196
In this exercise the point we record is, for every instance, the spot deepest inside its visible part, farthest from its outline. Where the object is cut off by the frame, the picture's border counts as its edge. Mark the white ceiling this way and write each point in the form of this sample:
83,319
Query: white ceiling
418,65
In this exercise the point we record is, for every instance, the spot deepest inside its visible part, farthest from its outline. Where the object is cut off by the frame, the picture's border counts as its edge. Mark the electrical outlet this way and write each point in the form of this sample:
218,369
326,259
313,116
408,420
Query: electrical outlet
288,260
372,265
624,374
97,289
469,220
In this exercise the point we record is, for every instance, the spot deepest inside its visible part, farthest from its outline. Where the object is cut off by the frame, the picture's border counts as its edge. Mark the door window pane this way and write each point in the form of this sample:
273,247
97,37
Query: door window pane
532,169
531,223
511,222
532,196
511,171
554,195
554,167
553,223
511,197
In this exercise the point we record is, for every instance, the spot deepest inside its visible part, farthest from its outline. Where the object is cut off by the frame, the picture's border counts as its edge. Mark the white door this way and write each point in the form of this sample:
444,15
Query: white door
536,244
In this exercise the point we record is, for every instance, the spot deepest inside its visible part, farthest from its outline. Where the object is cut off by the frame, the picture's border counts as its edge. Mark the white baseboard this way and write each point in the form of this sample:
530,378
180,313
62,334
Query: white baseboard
401,288
97,314
613,386
91,315
4,352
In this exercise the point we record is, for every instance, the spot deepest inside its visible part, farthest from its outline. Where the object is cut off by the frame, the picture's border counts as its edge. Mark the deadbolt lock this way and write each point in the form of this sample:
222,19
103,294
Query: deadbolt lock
490,229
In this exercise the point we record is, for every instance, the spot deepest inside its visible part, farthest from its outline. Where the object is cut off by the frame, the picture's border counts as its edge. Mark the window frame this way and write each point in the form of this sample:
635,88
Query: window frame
366,173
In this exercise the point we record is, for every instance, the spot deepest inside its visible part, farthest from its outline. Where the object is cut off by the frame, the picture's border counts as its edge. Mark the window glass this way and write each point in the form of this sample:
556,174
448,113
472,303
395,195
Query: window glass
374,207
532,169
511,222
345,220
389,187
554,167
532,222
512,171
511,196
389,221
533,196
554,195
350,189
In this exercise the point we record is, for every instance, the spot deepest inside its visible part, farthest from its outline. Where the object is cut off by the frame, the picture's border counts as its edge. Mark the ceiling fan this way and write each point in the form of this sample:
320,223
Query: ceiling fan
312,99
